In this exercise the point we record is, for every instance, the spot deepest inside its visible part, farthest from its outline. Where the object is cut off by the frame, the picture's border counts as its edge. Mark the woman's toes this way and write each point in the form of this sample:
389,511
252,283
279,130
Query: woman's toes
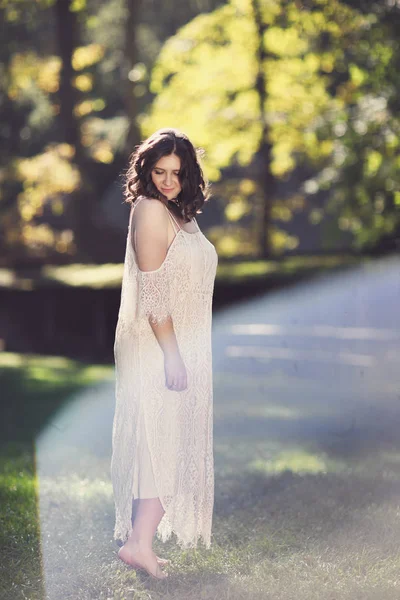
139,559
163,561
159,574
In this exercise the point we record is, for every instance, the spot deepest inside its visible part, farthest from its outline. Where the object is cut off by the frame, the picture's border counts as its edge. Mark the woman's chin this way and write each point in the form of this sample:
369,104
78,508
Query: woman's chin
170,195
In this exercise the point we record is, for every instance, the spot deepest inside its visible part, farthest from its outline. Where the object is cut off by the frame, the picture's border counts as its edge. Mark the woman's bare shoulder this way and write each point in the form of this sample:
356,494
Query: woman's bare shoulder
148,201
149,209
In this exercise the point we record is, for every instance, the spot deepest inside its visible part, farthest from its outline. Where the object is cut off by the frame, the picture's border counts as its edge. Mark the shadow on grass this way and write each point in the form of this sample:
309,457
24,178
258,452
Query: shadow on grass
305,506
307,467
33,388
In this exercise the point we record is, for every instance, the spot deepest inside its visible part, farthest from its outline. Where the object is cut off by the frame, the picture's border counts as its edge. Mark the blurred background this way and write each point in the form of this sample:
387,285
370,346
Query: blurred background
297,106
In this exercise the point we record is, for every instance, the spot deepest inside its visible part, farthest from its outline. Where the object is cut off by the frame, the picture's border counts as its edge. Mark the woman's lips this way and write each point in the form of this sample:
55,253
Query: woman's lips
167,190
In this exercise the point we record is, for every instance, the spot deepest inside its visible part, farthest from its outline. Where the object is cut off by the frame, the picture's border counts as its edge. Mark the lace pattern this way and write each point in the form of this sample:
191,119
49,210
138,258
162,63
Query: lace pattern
154,294
178,425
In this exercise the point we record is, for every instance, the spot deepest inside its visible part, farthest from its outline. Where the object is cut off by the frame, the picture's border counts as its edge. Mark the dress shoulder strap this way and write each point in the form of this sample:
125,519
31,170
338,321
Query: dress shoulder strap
133,206
173,220
176,222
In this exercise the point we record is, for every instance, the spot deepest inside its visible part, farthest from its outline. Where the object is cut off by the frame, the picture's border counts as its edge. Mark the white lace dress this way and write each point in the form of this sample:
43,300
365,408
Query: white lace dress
163,439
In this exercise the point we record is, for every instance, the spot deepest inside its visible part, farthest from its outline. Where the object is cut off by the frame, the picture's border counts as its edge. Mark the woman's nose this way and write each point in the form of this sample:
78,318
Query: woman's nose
168,179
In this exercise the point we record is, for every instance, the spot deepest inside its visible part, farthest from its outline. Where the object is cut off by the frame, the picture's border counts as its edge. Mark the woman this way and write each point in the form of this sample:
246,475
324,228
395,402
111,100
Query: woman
162,464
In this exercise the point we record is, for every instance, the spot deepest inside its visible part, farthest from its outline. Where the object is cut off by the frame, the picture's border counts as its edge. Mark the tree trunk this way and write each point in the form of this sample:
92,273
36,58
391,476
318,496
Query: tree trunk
95,239
131,58
67,39
82,205
263,156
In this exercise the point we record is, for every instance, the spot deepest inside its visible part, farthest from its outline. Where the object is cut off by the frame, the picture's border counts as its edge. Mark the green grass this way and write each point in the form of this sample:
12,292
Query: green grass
33,388
110,275
244,271
20,568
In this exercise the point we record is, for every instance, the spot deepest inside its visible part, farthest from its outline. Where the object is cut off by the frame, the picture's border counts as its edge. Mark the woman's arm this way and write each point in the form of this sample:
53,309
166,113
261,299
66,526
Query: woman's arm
149,237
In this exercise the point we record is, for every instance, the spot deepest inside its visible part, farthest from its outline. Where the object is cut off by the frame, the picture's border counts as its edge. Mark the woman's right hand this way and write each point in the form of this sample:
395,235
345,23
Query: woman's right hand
175,372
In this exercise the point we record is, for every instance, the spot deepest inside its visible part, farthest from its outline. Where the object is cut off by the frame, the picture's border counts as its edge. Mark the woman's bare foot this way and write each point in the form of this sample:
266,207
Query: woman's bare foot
141,558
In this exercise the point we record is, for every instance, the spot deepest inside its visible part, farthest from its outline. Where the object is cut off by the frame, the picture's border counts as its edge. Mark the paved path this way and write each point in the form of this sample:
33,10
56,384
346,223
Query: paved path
313,359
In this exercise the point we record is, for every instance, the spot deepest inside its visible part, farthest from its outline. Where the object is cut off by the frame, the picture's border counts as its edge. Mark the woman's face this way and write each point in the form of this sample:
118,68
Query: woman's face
165,175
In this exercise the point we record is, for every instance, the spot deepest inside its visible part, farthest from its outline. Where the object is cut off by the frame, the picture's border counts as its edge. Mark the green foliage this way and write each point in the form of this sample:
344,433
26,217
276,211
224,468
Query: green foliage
196,89
241,201
332,79
325,70
205,82
365,158
114,46
197,92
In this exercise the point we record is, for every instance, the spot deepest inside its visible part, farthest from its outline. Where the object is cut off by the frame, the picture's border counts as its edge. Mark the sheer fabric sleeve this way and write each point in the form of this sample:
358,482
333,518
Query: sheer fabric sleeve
149,238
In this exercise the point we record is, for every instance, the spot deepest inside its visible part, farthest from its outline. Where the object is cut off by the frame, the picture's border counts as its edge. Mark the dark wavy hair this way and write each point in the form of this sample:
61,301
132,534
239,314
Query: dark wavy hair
138,181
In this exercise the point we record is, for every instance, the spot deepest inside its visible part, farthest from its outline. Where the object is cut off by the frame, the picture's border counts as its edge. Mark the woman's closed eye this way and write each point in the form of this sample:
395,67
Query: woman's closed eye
158,172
